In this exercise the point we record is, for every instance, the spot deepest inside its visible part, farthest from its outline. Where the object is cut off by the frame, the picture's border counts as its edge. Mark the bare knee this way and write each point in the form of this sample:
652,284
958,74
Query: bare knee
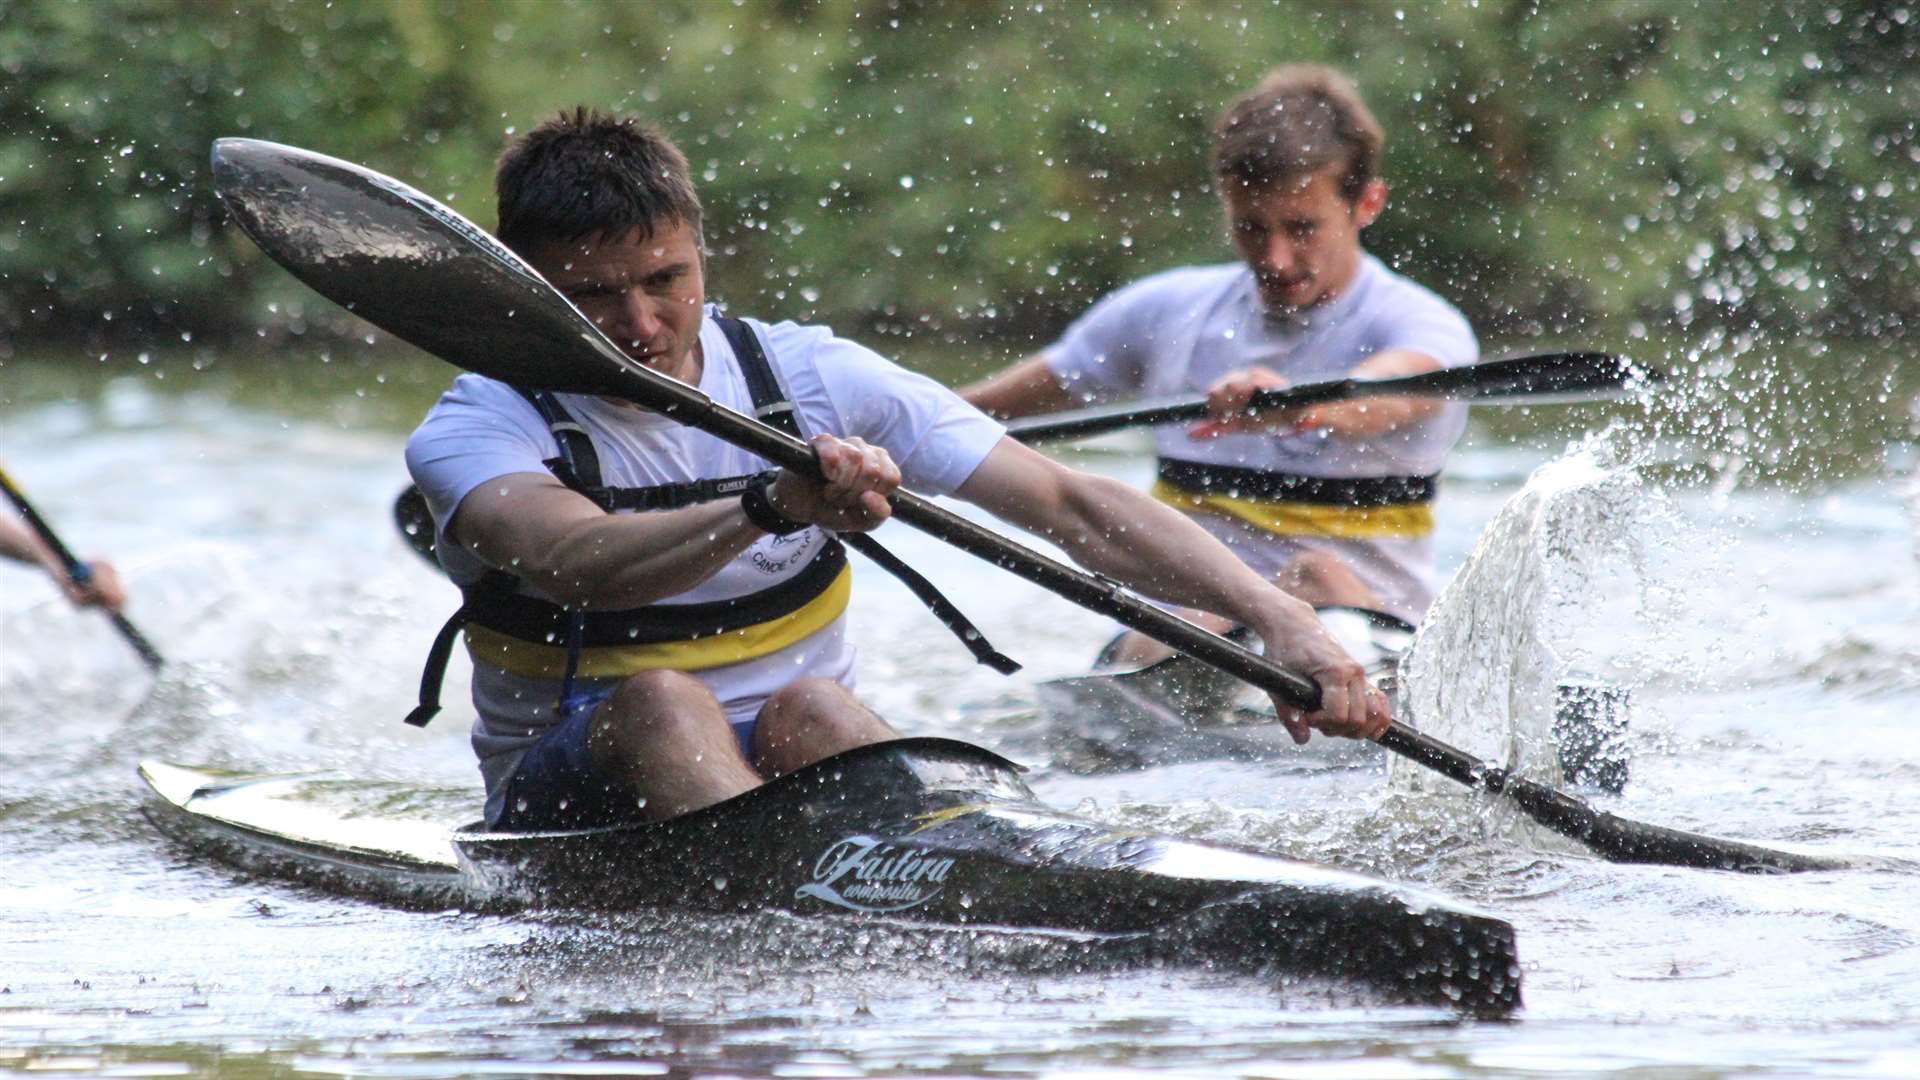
809,719
1322,579
814,704
651,704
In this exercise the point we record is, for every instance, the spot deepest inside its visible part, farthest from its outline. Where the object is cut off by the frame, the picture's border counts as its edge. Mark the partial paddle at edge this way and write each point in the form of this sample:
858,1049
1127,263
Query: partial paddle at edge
77,570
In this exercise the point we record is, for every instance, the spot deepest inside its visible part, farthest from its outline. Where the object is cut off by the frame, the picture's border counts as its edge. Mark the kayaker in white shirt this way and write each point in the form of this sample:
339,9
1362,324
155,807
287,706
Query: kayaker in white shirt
1332,502
583,724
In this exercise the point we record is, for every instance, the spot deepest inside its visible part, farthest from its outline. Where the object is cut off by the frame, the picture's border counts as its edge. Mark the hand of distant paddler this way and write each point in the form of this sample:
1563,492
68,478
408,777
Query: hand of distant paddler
102,589
851,497
1227,400
1349,705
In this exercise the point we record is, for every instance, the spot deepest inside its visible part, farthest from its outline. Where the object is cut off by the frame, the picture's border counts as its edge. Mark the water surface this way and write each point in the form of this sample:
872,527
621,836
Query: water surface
1758,593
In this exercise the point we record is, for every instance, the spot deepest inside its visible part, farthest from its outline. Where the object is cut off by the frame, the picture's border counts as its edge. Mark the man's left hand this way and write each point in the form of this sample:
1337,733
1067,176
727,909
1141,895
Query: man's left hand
1227,400
851,496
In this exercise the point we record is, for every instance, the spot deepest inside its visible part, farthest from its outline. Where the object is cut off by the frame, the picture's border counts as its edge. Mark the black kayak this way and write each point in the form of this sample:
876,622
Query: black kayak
918,830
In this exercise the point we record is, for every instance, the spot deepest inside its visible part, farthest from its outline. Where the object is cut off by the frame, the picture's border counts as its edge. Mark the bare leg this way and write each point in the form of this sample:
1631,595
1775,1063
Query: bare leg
1316,577
1324,580
810,719
1136,649
663,732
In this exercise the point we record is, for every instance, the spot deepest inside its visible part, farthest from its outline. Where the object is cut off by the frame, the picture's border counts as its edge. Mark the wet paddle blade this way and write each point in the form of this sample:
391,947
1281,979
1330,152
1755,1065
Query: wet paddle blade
411,266
1615,839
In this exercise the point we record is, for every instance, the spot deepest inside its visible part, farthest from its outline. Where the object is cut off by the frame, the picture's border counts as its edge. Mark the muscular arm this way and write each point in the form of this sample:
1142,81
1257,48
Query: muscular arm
1112,529
576,553
1027,388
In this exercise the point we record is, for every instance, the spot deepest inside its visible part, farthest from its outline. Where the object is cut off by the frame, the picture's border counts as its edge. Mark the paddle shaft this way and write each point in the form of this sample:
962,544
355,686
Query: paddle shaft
80,572
1544,378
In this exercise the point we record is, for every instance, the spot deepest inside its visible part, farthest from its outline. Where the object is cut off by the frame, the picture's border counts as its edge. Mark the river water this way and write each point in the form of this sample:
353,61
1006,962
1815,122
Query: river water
1757,592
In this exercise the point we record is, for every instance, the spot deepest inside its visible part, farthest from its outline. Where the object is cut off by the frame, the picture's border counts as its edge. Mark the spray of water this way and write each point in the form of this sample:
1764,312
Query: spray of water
1557,580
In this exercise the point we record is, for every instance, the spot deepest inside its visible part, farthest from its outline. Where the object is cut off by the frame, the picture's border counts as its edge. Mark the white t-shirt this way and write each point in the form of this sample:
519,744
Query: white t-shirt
482,429
1178,332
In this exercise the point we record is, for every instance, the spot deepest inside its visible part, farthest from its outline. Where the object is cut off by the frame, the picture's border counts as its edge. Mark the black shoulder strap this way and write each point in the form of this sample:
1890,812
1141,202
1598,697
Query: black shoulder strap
434,674
772,406
578,465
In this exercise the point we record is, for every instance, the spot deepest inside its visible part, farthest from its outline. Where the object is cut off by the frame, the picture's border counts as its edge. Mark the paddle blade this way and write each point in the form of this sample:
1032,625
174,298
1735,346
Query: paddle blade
413,267
1551,378
415,522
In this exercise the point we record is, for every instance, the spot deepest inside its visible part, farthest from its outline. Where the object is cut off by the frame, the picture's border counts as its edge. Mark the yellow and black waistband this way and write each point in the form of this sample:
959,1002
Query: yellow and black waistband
1289,504
530,637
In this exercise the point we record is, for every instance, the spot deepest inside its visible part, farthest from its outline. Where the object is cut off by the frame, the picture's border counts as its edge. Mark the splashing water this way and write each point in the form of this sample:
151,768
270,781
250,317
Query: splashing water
1564,556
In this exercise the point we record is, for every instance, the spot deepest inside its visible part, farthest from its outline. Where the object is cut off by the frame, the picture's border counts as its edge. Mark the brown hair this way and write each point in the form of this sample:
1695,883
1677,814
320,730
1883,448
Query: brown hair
1299,120
586,173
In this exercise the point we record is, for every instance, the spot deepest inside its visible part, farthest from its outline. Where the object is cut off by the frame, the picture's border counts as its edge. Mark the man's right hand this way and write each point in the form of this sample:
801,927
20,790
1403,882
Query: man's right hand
1350,706
852,494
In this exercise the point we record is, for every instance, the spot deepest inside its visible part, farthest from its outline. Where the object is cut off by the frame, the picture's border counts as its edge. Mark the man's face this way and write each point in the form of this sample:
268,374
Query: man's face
1301,239
643,291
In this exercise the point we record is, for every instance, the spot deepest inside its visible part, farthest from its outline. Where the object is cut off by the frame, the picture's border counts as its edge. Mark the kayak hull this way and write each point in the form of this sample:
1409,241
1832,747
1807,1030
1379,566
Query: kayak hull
938,832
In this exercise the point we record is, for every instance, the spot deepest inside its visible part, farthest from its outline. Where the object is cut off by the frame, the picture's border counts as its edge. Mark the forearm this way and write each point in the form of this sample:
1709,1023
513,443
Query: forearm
626,560
572,551
1369,418
1028,388
18,543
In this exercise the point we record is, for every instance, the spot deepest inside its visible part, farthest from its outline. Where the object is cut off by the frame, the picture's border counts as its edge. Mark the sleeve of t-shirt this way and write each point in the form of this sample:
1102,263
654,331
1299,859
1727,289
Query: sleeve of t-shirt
1103,355
478,431
1420,321
842,388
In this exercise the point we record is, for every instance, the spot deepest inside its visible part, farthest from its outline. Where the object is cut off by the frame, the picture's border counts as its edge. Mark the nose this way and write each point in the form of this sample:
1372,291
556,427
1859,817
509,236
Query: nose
638,318
1278,258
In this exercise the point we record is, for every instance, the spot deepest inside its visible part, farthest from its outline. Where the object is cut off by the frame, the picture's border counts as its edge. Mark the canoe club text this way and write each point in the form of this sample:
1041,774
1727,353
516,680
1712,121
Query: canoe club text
865,874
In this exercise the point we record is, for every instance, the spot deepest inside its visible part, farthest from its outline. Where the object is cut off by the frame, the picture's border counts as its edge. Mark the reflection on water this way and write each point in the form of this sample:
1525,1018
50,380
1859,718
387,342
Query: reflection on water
1771,635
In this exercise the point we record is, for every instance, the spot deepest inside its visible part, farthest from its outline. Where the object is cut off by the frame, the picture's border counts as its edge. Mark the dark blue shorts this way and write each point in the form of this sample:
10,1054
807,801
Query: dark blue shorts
556,785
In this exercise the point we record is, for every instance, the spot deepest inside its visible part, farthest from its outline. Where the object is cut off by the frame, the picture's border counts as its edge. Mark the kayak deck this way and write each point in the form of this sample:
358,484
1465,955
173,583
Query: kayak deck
926,830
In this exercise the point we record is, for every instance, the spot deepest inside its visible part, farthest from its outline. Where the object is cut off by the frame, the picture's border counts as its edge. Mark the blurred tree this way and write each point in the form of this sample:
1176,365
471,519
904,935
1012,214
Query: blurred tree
995,166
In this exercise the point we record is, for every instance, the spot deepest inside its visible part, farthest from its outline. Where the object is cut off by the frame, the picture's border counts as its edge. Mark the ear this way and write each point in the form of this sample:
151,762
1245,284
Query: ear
1372,200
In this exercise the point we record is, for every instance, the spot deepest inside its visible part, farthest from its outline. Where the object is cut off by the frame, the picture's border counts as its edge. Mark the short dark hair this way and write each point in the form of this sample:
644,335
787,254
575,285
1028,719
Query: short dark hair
1299,120
586,173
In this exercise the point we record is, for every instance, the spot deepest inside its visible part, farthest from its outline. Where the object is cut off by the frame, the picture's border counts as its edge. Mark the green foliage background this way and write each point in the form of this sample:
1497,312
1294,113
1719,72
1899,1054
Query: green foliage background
992,167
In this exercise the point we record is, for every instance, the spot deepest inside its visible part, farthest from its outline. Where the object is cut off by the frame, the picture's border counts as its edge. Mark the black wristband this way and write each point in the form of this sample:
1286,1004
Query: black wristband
757,504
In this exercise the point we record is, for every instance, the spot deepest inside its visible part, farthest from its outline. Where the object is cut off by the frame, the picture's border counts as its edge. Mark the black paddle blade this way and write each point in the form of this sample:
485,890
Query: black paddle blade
1615,839
409,265
1537,380
415,522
